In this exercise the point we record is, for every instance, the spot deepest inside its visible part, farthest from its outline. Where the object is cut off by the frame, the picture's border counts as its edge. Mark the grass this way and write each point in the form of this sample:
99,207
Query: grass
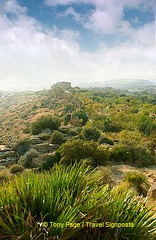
62,195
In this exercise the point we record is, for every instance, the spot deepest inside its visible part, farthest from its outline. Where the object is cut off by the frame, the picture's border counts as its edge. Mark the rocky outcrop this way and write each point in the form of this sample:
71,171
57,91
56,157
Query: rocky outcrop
7,156
152,192
45,147
35,140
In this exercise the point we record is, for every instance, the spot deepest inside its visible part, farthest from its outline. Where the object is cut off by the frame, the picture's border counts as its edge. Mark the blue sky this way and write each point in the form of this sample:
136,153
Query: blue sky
45,41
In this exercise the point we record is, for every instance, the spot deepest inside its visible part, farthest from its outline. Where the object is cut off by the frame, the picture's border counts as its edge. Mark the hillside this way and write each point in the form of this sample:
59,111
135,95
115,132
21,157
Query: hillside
89,145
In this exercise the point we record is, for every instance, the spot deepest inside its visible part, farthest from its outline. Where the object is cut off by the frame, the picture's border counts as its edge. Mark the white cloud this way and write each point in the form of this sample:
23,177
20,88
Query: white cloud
34,57
71,12
59,2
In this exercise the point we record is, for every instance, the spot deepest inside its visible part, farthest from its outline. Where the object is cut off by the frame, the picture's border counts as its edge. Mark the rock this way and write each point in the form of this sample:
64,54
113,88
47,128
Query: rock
35,140
4,148
46,131
6,155
143,190
152,192
45,147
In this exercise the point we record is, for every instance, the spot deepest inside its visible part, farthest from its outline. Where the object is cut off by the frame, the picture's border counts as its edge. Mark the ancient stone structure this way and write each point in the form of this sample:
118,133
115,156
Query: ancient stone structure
62,85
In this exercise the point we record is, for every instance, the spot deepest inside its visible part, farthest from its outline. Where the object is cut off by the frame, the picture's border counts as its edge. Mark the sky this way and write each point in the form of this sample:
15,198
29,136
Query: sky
47,41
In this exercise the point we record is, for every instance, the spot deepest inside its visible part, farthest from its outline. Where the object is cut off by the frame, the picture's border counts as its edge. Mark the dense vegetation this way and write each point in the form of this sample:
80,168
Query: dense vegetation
75,136
69,196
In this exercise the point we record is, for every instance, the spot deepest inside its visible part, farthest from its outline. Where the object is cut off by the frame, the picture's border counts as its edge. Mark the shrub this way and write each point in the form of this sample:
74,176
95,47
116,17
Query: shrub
44,137
48,161
63,196
141,157
66,119
78,149
130,138
82,115
57,138
22,146
111,126
43,123
16,168
90,133
146,125
120,153
27,159
103,139
2,168
138,156
137,180
5,175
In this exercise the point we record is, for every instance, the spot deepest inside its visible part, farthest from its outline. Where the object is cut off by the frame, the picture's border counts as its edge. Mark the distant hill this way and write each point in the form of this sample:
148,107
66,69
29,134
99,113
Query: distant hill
119,83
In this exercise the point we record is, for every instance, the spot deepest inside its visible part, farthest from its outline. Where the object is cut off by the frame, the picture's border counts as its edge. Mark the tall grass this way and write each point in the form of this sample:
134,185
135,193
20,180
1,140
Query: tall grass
65,195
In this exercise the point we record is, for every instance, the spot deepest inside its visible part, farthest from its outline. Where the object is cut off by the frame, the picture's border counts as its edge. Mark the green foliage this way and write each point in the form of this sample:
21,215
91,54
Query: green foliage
5,175
146,125
129,138
27,160
137,180
76,150
120,153
57,138
141,157
65,195
104,139
22,146
90,133
43,123
2,168
48,161
66,118
110,126
16,168
82,115
133,155
44,137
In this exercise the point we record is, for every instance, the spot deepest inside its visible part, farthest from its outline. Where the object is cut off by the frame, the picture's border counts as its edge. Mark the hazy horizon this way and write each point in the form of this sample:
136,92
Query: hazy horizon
47,41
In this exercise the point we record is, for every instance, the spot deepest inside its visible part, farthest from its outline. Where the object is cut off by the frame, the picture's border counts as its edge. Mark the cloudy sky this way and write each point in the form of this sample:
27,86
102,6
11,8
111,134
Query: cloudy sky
45,41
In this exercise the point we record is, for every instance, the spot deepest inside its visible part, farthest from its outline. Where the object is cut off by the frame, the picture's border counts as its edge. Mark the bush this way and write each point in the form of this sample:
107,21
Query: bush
44,137
43,123
22,146
138,156
57,138
2,168
90,133
137,180
146,125
103,139
120,153
48,161
78,149
141,157
82,115
16,168
5,175
27,160
111,126
66,119
130,138
63,196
